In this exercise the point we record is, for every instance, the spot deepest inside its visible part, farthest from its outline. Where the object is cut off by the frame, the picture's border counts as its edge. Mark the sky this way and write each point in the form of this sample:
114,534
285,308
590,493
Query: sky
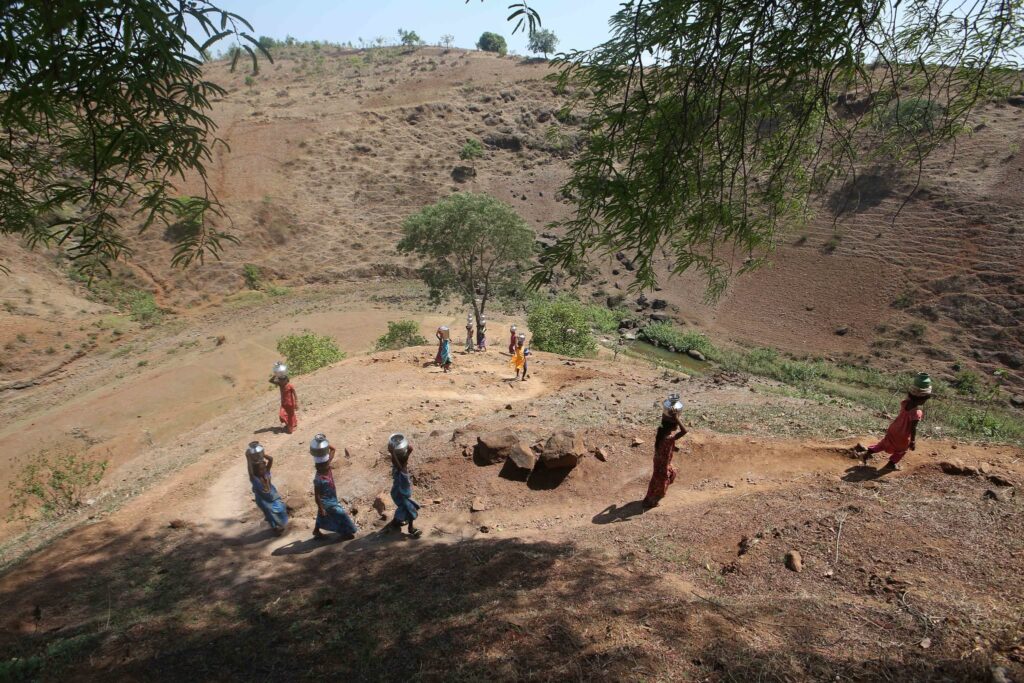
579,24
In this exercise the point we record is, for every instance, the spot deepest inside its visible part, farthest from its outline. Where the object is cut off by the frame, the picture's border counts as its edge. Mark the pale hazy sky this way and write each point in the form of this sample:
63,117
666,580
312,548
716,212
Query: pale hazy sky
579,24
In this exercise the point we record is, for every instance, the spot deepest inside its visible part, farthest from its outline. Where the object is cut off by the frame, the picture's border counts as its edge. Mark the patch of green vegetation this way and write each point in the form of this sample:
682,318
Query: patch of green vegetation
53,484
968,383
253,276
473,149
400,334
667,336
277,290
58,655
144,310
603,319
561,326
308,352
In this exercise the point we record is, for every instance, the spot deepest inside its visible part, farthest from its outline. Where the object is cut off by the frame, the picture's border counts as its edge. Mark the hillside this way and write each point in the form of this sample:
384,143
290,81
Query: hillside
168,572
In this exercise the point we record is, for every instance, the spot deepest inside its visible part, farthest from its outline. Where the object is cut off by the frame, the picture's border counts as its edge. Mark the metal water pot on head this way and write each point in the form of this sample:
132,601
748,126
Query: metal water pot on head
280,370
672,406
398,446
444,332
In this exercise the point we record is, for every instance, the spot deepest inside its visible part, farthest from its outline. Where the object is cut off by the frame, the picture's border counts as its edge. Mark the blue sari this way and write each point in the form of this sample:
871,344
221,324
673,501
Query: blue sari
268,500
446,352
401,494
334,518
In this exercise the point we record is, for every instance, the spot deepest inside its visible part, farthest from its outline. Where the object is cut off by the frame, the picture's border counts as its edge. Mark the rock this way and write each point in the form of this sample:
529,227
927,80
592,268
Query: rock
1001,495
659,317
1015,100
794,562
494,447
563,450
746,543
696,355
999,480
601,454
477,505
179,524
380,504
841,331
522,457
659,304
1017,400
614,300
510,142
925,643
1011,360
952,466
461,174
999,674
629,336
637,441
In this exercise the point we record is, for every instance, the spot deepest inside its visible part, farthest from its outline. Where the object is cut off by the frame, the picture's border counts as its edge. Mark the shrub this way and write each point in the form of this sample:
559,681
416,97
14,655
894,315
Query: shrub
401,333
409,38
544,41
492,42
603,319
666,336
253,276
308,352
53,484
967,382
473,149
143,309
913,116
561,326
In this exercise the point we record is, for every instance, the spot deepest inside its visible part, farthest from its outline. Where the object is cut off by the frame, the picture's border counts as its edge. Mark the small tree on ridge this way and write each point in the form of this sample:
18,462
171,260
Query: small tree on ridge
492,42
543,41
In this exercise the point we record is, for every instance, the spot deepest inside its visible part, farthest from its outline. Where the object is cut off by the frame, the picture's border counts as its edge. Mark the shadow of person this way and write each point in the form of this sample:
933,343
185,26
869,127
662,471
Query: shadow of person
859,473
264,534
614,513
271,430
309,545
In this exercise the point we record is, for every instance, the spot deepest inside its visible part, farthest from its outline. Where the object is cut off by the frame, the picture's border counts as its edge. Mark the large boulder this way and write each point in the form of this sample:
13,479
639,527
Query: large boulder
522,457
563,450
495,447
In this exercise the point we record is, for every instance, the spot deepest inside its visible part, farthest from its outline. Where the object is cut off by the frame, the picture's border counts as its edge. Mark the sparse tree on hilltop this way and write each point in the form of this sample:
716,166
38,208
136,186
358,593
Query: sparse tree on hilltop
409,38
492,42
447,40
543,41
472,245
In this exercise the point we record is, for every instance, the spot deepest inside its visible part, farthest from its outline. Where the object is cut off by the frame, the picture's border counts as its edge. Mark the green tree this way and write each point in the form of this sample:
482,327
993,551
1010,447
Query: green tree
409,38
561,326
711,125
543,41
104,109
492,42
447,40
471,244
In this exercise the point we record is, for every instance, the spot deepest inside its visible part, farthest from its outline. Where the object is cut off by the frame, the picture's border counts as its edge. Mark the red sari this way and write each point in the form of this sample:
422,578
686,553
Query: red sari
664,473
512,344
289,404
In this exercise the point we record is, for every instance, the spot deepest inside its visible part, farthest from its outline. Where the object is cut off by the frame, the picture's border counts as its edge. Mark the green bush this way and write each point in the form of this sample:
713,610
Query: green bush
473,149
603,319
143,308
666,335
308,352
53,484
914,115
253,276
401,333
561,326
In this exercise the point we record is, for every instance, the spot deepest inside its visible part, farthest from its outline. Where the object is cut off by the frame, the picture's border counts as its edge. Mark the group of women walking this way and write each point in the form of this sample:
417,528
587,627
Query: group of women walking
331,514
900,437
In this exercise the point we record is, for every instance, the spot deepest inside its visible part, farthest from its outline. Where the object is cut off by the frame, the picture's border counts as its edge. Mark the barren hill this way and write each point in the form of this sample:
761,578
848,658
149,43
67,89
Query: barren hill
168,571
